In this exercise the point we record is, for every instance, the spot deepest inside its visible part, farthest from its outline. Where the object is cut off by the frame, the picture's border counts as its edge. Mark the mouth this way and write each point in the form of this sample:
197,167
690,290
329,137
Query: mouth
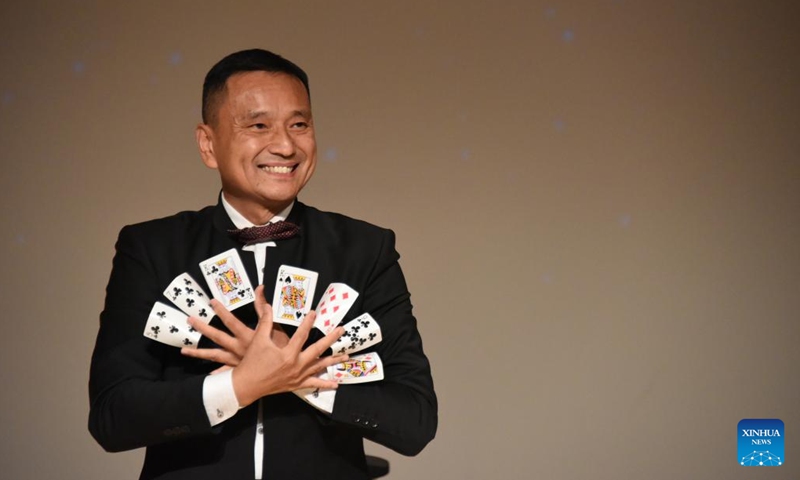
279,169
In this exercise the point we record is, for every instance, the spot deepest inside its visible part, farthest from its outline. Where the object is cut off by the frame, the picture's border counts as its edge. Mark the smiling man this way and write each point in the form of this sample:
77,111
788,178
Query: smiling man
234,407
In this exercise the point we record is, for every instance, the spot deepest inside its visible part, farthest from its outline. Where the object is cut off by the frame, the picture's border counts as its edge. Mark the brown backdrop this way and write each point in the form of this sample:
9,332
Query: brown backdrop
596,204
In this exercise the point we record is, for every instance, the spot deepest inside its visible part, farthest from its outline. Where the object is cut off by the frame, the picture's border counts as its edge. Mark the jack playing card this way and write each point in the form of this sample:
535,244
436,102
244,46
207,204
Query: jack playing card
359,334
167,325
187,295
294,292
227,279
333,306
359,369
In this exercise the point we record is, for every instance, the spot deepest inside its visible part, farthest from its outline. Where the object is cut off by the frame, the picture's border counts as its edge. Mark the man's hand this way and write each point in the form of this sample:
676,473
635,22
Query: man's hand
232,346
266,361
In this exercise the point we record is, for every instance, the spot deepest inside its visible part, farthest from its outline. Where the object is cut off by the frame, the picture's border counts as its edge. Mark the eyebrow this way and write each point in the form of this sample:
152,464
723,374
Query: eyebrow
253,114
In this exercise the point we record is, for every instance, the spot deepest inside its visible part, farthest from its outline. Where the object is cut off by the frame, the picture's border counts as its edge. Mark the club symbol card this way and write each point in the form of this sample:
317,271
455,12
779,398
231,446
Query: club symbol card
187,295
227,279
359,334
359,369
168,325
333,306
294,292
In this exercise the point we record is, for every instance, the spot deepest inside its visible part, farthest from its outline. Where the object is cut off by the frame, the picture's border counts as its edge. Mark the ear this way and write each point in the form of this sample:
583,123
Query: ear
205,142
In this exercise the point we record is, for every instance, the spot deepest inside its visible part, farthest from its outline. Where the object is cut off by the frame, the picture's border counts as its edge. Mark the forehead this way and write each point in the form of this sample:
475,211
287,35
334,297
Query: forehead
264,91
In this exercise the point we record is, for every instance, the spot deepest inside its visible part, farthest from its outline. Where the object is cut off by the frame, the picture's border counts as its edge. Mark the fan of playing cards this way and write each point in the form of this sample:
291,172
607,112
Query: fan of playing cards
294,292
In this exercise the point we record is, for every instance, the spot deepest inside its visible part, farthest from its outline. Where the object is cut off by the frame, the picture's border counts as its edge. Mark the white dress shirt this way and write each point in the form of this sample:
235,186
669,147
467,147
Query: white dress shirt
219,397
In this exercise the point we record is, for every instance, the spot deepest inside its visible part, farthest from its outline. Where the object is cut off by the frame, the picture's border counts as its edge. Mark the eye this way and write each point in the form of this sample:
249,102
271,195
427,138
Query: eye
259,126
300,125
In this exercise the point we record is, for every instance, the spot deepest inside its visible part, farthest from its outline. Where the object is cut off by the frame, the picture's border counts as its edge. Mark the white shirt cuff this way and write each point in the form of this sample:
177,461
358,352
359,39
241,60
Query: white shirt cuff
219,397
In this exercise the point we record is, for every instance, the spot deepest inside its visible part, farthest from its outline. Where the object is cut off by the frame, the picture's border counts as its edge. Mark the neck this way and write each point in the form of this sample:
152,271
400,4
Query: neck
255,213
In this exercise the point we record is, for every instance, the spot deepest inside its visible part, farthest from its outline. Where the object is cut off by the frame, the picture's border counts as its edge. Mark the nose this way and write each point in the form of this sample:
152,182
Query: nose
281,143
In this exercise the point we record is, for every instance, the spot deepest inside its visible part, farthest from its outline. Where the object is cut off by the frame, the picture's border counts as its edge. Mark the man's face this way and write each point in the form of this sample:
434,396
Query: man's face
262,142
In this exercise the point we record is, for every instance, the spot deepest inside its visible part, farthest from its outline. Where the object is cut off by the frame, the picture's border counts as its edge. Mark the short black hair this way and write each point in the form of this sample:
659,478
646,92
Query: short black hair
252,60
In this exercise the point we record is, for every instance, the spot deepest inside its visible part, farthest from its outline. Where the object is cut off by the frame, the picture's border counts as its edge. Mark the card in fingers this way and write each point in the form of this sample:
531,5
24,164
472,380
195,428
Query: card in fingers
168,325
359,369
294,292
333,306
227,279
359,334
187,295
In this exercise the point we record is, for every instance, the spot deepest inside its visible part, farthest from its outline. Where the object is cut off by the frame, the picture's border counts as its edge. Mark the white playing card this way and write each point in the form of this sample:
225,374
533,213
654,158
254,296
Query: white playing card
294,292
168,325
190,297
227,279
320,398
359,369
359,334
333,306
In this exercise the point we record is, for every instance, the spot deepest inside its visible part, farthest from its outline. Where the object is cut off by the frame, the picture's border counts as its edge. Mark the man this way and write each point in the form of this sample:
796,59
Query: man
226,410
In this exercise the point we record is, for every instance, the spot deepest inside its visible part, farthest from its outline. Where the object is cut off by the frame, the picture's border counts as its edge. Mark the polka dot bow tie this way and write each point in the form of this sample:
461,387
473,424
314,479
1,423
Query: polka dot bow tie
265,233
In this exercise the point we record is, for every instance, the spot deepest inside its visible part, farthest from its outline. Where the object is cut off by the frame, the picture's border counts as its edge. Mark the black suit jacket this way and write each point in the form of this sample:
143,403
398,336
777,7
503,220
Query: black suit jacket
146,394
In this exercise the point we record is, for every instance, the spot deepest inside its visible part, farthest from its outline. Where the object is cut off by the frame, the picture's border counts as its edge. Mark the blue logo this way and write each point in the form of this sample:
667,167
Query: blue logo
761,442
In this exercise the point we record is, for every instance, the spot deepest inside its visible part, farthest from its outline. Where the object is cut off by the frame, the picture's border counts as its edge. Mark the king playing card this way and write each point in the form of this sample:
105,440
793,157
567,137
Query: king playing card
294,292
227,279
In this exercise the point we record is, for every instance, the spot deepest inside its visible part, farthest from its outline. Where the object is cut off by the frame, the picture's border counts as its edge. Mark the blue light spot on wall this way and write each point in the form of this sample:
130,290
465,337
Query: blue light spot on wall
78,67
8,98
559,124
176,58
19,239
331,154
547,278
568,35
466,154
625,220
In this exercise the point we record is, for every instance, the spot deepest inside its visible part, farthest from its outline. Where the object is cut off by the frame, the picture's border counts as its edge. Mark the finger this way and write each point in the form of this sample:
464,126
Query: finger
301,334
236,327
264,327
324,343
214,334
325,362
261,302
216,355
314,382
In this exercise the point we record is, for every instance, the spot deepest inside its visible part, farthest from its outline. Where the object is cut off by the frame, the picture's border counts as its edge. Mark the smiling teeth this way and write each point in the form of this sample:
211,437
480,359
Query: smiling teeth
277,169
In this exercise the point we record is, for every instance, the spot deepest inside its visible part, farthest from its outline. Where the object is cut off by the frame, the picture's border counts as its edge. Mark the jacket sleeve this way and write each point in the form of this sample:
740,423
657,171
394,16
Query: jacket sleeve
136,400
399,412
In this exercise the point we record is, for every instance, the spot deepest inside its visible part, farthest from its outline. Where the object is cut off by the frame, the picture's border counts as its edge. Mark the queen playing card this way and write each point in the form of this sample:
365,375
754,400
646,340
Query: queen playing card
294,292
359,369
227,279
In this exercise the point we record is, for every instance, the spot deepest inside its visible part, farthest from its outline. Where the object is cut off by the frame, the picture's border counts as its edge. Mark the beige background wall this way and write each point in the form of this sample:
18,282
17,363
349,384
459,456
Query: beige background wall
597,204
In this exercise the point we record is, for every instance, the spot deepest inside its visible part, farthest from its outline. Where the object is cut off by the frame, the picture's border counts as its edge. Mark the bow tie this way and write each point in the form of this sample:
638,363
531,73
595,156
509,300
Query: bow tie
271,231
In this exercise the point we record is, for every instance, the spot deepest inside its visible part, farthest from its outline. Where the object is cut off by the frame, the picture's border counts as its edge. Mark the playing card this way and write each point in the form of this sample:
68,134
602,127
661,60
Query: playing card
359,334
168,325
187,295
320,398
333,306
227,279
359,369
294,292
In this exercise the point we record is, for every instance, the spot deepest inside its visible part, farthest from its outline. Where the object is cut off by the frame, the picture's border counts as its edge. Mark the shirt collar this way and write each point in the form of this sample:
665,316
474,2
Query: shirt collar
240,222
